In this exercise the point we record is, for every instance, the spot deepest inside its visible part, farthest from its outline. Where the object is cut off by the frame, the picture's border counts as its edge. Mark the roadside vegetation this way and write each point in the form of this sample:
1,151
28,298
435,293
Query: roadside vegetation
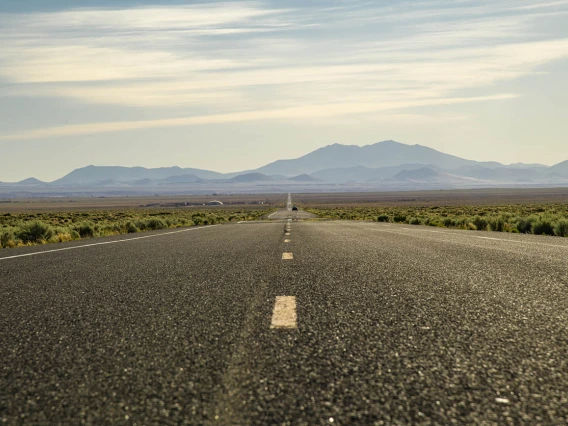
540,219
25,229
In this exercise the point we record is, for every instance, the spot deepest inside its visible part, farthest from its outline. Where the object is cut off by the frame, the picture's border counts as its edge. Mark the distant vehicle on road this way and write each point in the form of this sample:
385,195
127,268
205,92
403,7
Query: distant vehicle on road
295,208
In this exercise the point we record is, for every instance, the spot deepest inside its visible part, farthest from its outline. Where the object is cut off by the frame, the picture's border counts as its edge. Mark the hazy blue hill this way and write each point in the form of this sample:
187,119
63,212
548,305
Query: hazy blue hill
345,174
560,169
391,153
330,156
422,174
92,174
428,175
108,182
382,154
31,181
362,173
182,179
504,174
383,173
303,178
251,177
527,166
143,182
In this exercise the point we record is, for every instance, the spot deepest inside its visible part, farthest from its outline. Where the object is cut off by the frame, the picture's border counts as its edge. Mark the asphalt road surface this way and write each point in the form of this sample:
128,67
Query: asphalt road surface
337,323
290,214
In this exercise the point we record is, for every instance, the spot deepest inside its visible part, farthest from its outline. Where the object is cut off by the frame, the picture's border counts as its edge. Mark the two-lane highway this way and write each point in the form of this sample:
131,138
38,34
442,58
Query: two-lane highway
289,213
287,322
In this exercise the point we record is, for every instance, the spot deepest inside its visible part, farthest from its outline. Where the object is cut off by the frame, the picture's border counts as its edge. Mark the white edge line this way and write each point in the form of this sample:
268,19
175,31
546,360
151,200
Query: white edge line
448,233
105,242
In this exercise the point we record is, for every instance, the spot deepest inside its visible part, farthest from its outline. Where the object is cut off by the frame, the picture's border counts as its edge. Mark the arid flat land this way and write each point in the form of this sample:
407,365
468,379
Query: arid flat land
470,197
104,203
473,197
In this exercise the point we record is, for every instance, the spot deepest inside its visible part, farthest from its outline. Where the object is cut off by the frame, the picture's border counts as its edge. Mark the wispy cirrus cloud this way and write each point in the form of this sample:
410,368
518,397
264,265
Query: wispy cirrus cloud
258,61
296,113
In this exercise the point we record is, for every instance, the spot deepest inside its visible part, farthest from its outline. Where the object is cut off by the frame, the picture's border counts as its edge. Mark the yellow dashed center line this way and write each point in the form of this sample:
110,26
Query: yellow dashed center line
284,315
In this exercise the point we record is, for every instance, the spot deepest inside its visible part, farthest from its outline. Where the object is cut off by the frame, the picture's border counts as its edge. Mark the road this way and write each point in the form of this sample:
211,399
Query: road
288,213
288,323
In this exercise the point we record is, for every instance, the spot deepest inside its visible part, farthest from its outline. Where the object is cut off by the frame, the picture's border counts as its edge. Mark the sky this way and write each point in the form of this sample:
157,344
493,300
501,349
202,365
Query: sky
231,86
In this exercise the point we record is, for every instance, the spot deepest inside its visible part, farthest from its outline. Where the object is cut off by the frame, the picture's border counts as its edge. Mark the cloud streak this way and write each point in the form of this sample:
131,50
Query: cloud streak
296,113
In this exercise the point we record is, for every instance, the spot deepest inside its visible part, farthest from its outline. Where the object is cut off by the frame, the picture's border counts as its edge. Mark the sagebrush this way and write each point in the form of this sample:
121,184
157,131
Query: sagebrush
538,219
22,229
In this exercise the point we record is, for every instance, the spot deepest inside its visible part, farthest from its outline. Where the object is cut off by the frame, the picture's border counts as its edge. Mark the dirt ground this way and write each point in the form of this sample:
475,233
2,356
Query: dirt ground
481,197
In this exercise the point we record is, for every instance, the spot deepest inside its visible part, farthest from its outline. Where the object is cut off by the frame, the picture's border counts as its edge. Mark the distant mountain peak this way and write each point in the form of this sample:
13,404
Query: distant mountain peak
31,181
391,142
388,153
303,178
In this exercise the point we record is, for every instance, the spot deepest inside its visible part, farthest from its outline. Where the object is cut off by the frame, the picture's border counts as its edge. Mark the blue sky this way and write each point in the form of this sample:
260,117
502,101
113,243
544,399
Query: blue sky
229,86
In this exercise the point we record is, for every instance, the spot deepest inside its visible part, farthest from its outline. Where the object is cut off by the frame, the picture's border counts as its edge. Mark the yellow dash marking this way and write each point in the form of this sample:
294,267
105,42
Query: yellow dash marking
287,234
287,240
284,315
287,256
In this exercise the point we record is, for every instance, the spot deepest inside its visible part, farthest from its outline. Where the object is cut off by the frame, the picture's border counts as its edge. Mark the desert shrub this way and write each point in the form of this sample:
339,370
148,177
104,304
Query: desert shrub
156,223
77,225
496,224
507,216
480,223
140,224
449,222
131,228
111,229
543,227
414,221
561,228
525,224
35,232
509,227
7,238
383,218
398,218
85,230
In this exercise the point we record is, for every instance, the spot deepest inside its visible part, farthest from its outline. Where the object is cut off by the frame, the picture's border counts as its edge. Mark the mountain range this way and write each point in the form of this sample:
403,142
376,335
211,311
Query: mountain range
386,165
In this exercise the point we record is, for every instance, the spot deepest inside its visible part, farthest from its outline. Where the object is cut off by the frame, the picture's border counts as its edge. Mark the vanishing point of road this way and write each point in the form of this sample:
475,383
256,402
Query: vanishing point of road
287,322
